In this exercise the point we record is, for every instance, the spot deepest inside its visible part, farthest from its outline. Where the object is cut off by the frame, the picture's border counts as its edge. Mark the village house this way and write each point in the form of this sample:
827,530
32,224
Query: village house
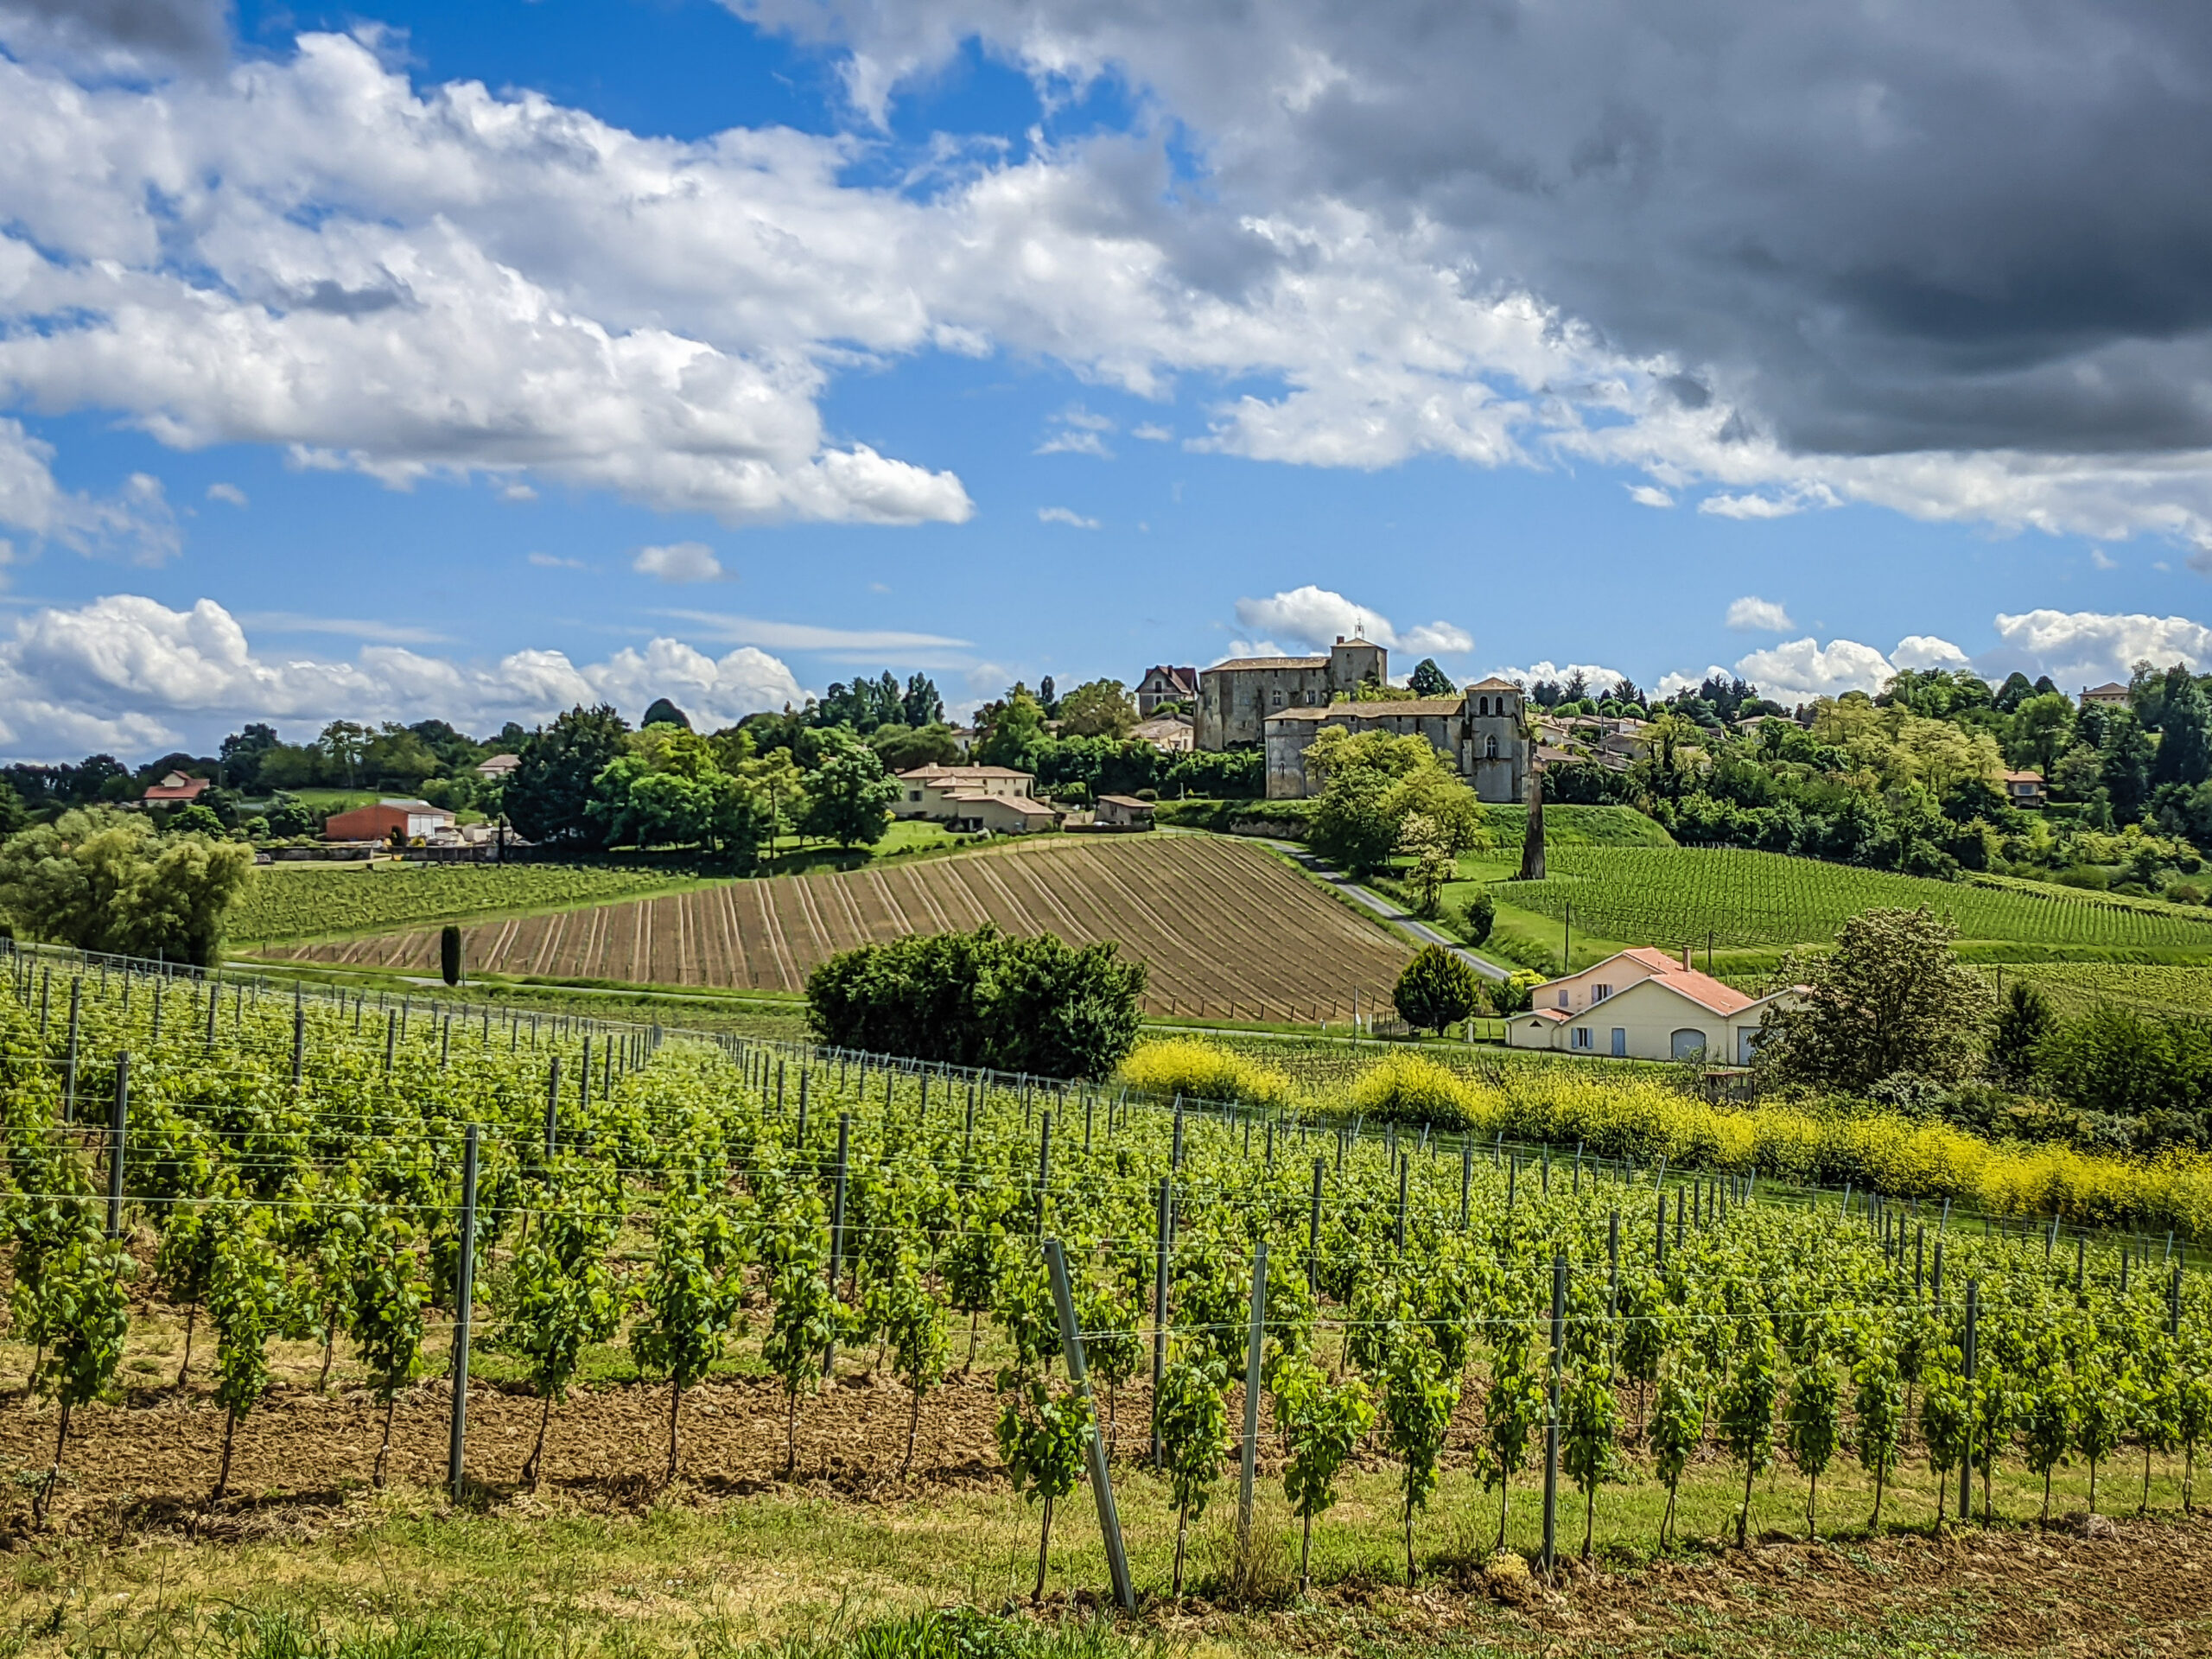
996,799
1122,812
2110,695
175,789
1644,1005
497,768
1169,733
2023,789
1161,684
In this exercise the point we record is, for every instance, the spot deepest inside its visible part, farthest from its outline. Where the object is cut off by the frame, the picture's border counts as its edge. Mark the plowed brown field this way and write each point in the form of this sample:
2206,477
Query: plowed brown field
1227,930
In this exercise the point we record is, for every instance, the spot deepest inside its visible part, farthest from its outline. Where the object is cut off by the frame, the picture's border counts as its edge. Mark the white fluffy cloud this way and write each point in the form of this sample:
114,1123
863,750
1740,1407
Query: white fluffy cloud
1596,675
2079,648
1756,615
135,525
678,561
1926,651
1804,669
307,249
127,674
1316,617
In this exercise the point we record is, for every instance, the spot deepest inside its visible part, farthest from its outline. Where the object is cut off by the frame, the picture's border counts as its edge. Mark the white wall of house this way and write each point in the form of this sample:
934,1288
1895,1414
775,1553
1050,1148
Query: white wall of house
1647,1020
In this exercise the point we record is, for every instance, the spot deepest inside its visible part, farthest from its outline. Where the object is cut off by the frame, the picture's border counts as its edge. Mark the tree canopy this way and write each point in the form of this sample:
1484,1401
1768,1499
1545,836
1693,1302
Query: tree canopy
1035,1005
1891,999
101,879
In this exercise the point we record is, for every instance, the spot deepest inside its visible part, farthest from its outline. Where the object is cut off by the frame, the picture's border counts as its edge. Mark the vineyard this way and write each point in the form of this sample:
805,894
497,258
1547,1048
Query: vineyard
798,1257
1225,929
1744,900
308,901
2076,986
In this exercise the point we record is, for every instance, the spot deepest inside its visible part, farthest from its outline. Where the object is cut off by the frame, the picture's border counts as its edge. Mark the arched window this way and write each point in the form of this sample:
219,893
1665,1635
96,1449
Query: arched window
1687,1045
1482,705
1490,748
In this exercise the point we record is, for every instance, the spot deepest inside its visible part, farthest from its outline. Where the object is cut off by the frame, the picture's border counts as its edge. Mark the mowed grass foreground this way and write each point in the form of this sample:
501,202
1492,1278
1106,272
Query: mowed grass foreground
798,1572
1228,930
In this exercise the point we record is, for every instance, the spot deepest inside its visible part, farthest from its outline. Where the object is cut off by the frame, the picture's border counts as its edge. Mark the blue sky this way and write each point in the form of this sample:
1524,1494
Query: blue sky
725,355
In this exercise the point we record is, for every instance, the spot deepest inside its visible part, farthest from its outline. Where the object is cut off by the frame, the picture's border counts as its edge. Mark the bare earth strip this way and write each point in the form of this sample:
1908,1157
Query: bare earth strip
1217,921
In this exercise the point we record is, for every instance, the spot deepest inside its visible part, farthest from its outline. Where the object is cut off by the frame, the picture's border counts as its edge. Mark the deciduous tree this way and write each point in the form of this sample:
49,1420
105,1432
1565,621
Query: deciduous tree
1892,998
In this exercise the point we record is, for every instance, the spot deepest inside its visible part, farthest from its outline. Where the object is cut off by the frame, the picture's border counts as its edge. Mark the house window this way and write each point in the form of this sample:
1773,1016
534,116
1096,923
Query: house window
1747,1044
1490,748
1585,1039
1278,699
1600,993
1620,1044
1482,705
1687,1045
913,794
1562,999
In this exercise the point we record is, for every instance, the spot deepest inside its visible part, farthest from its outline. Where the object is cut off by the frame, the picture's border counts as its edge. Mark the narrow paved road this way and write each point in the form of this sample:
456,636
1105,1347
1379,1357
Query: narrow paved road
1393,913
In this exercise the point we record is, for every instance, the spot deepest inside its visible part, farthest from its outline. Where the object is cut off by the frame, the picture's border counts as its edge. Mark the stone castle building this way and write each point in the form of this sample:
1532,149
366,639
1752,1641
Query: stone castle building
1282,703
1480,732
1236,697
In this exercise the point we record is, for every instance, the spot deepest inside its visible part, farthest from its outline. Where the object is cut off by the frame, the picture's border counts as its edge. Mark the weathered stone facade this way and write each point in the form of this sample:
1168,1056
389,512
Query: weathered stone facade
1236,697
1480,732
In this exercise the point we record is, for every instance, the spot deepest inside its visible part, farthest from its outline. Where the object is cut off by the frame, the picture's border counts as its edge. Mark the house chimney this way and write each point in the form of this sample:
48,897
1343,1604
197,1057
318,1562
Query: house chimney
1340,638
1686,958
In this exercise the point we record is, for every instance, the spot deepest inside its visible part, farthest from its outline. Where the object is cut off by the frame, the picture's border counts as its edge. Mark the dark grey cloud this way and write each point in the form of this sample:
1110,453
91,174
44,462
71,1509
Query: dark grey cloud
1984,224
336,299
188,33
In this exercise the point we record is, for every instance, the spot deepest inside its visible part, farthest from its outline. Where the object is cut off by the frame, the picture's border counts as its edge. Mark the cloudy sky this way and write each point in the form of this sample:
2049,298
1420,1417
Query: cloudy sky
402,360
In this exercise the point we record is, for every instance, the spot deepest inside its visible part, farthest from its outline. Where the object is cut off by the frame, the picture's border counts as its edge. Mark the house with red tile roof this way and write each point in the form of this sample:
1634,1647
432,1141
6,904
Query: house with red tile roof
175,789
1644,1005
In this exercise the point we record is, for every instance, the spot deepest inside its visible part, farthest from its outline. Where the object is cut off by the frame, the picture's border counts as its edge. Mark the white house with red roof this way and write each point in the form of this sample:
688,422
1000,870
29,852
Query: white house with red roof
175,789
1644,1005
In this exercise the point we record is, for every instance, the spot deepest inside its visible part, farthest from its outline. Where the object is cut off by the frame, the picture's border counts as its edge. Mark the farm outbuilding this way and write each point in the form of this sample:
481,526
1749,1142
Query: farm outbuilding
1124,812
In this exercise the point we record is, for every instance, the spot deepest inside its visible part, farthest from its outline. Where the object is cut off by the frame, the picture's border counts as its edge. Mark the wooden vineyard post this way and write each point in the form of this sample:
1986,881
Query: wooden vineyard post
1466,1178
1165,1244
1249,1461
837,1226
299,1043
1551,1423
552,1107
1613,1263
69,1066
1102,1481
118,1123
1973,1365
1044,1169
1404,1164
1313,1230
463,1296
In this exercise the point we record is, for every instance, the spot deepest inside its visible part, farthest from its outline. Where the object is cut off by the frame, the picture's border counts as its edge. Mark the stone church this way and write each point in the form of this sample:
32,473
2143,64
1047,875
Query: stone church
1282,703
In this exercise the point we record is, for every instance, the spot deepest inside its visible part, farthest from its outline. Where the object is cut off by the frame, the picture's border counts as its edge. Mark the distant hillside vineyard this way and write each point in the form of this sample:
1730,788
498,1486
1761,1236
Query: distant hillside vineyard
1227,930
